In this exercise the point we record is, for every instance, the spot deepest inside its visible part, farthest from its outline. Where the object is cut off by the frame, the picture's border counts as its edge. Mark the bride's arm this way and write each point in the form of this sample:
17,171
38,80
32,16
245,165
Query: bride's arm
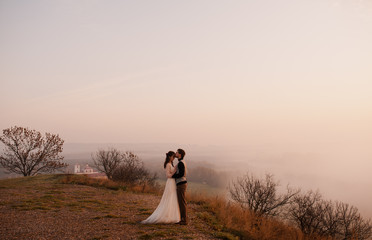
169,170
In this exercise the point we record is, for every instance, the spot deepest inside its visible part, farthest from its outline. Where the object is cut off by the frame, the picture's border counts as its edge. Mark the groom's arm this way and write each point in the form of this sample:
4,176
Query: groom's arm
181,172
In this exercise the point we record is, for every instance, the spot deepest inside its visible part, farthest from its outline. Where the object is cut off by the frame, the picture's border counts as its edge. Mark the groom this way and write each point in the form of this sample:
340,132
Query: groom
181,182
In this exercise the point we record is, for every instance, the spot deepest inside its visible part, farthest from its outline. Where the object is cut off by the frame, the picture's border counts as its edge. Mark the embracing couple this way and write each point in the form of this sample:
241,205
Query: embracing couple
172,206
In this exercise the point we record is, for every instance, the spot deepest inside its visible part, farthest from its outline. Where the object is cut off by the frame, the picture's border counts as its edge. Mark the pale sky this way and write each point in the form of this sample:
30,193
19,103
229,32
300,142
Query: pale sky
203,72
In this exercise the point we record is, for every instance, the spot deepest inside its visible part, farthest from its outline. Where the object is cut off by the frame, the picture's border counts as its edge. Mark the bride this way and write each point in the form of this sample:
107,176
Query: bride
168,210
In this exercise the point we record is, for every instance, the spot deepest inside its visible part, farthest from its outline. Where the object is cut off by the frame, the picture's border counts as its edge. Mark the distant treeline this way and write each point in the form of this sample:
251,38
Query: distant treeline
204,175
209,176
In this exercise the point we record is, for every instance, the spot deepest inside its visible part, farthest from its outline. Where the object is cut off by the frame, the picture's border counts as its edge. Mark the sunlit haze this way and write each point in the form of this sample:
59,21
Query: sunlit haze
283,86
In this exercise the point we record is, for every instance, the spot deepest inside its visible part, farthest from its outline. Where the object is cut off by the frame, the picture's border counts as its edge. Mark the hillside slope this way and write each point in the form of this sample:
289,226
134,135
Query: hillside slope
43,208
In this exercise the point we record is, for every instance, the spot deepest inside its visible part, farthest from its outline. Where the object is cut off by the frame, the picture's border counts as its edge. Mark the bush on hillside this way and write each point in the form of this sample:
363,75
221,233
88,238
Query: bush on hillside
107,161
314,215
132,171
124,167
231,217
260,195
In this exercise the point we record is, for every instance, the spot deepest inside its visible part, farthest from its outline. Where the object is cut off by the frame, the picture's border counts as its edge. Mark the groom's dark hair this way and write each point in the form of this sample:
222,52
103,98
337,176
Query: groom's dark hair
182,152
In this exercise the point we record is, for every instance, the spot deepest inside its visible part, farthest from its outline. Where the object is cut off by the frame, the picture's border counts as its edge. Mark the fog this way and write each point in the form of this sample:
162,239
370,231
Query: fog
339,173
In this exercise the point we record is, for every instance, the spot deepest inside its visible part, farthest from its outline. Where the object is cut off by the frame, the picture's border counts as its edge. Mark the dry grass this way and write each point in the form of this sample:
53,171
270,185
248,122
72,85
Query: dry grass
94,182
76,207
106,183
227,219
109,209
230,217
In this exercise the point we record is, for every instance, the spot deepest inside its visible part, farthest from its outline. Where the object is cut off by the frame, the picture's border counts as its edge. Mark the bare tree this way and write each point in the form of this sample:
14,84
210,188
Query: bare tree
260,195
315,216
132,171
305,211
330,219
123,167
27,152
107,161
353,226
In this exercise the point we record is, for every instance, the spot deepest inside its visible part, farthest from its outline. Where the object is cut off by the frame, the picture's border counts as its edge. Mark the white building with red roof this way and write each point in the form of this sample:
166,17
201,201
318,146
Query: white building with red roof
88,171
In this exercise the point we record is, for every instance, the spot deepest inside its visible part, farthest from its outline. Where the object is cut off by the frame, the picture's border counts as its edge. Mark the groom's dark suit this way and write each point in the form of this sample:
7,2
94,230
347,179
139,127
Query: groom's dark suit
181,181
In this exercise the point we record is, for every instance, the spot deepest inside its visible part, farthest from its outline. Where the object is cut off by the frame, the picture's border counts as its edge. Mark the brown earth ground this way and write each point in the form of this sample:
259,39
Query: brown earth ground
43,208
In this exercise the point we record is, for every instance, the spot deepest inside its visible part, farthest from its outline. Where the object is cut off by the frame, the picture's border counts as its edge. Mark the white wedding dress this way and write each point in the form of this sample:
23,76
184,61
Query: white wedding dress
168,210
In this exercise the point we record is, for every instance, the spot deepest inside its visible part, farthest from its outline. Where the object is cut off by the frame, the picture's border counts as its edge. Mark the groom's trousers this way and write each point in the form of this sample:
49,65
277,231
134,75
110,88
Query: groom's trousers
181,195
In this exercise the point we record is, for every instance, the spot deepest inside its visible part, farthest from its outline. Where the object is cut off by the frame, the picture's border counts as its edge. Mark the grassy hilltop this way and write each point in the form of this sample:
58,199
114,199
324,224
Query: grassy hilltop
66,206
75,207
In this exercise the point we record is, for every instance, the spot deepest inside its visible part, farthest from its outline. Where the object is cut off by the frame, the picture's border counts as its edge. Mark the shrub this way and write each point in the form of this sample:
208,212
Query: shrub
107,161
315,216
132,171
260,195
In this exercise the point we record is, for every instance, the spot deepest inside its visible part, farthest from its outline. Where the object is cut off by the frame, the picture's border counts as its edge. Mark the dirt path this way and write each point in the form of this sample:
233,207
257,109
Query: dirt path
41,208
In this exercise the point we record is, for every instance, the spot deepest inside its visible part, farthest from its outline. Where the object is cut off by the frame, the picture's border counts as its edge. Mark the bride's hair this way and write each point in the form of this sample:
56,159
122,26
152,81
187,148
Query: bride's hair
168,156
